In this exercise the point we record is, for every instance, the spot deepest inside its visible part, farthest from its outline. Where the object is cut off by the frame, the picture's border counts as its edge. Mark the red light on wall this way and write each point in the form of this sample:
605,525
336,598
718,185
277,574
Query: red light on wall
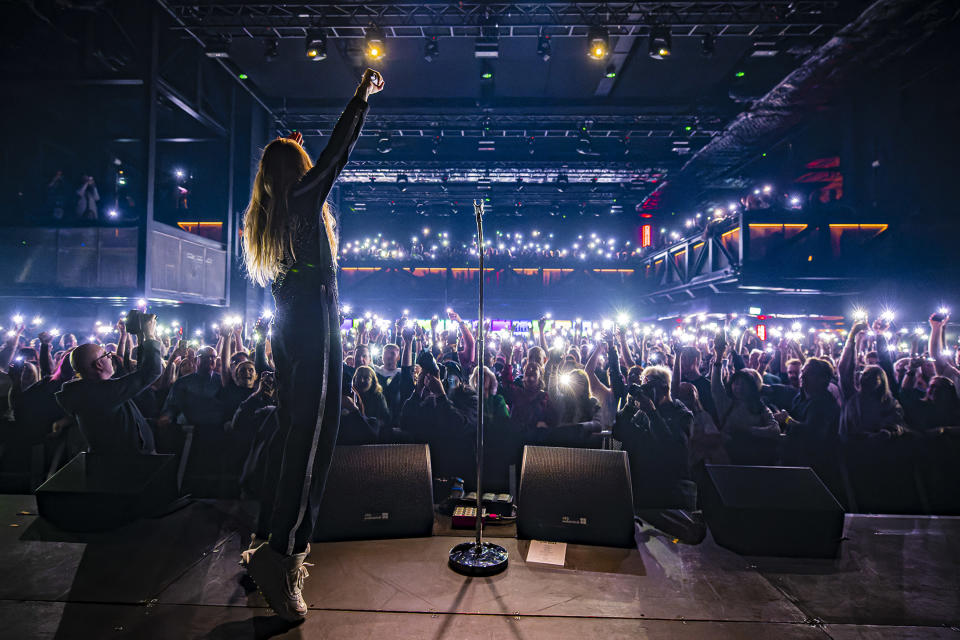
645,235
762,331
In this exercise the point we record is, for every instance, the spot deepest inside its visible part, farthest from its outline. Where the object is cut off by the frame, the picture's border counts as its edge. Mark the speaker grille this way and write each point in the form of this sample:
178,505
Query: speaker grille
576,495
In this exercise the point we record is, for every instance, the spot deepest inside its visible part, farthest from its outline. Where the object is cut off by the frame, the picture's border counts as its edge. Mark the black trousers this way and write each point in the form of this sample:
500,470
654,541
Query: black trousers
309,368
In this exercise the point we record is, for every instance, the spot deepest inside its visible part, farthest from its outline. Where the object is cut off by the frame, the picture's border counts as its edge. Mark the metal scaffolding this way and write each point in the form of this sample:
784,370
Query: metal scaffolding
779,18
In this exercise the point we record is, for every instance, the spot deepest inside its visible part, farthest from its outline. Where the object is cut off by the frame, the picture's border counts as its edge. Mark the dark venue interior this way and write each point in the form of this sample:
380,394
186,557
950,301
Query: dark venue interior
660,290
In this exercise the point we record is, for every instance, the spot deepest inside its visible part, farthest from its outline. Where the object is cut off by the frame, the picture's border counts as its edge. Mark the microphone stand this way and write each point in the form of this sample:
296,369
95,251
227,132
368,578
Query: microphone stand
479,558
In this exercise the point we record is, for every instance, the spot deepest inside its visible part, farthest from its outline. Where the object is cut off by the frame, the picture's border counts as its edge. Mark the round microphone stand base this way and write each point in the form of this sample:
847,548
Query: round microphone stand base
473,559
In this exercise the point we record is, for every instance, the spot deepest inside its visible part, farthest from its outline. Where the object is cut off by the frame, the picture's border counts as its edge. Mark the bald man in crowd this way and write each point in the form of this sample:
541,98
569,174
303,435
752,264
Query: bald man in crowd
103,405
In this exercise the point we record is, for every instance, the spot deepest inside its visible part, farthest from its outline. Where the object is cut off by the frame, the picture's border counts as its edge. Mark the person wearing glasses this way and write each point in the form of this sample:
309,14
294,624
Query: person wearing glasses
103,406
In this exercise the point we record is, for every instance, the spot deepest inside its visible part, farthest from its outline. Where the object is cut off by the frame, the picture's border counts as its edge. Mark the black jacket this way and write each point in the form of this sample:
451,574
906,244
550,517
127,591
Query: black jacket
105,411
449,426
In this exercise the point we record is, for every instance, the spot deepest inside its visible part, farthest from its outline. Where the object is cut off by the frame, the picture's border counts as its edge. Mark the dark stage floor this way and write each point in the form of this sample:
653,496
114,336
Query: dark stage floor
177,577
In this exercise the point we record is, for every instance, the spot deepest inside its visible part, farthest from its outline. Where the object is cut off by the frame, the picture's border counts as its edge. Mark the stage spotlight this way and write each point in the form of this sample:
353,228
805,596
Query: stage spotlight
384,144
531,145
435,149
661,43
374,43
611,71
544,48
218,49
584,146
708,45
488,44
625,143
486,71
431,49
402,181
562,182
272,52
316,45
599,42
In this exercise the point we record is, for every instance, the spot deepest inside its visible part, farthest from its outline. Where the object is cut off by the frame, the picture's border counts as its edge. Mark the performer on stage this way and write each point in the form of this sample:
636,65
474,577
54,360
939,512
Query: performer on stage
290,240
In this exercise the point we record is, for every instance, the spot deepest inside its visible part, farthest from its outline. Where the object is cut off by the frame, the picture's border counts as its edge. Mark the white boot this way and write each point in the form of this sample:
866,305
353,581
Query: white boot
280,579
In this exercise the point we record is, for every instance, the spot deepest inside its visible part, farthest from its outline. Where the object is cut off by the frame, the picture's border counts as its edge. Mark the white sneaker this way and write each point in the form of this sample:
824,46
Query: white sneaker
280,579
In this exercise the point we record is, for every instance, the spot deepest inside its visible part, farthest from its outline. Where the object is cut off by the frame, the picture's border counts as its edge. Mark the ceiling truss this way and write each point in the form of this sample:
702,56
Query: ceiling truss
772,18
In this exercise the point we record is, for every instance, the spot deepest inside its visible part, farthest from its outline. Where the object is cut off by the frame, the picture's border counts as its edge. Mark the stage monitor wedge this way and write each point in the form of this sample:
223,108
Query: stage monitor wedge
580,496
97,493
377,491
772,511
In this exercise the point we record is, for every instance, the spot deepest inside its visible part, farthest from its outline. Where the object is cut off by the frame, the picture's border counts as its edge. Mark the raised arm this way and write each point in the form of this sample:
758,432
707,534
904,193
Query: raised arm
616,376
847,362
675,378
944,367
720,398
149,367
344,136
469,344
46,356
226,353
625,350
591,369
884,359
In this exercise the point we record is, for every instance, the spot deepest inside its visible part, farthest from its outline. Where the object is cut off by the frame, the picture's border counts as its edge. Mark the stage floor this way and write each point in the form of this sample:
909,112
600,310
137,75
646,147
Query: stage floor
177,577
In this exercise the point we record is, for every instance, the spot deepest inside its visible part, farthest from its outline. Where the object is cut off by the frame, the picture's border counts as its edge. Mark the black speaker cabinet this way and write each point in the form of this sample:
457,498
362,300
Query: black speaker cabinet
772,511
582,496
377,491
96,493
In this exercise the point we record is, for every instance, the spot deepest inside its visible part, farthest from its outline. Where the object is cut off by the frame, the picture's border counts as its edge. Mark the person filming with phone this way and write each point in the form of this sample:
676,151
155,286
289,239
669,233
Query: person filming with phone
103,406
655,431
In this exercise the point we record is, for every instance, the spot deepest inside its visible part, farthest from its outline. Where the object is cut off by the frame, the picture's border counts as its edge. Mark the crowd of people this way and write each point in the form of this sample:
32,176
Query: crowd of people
533,248
675,395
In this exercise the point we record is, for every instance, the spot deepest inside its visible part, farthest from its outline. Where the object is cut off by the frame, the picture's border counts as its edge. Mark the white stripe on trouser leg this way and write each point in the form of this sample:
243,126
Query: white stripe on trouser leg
305,490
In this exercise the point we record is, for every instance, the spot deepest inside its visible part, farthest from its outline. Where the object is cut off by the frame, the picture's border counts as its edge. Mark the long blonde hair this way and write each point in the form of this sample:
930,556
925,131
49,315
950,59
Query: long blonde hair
267,233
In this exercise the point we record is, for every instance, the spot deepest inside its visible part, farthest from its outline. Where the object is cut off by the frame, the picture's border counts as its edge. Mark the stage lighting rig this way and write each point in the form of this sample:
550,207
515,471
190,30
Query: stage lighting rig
402,181
431,49
599,41
384,143
220,48
708,45
316,45
272,52
375,48
544,48
661,42
611,71
584,145
488,44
